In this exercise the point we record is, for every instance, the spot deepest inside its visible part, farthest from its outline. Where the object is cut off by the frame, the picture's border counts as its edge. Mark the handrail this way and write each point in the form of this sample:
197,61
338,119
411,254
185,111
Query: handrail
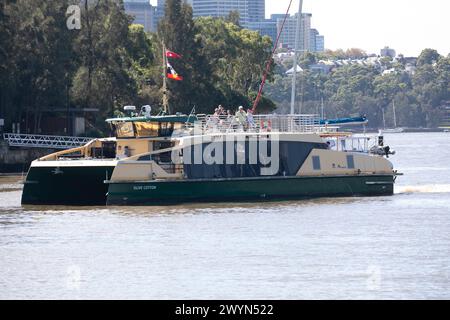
258,123
82,149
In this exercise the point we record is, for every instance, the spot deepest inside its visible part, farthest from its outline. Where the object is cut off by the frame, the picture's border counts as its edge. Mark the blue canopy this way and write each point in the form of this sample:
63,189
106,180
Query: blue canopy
348,121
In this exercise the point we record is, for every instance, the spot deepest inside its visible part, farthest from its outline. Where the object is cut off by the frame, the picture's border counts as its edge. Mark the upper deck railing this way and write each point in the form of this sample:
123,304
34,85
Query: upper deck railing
259,123
44,141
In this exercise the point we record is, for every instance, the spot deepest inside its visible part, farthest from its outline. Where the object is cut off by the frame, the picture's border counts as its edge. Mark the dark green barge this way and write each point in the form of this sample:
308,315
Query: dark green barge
250,189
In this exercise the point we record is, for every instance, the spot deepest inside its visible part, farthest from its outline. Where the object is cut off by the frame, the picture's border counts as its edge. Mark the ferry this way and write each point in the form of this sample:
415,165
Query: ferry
173,159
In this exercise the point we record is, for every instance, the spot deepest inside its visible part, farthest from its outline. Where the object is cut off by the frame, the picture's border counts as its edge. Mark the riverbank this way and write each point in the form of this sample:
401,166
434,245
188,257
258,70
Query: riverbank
18,160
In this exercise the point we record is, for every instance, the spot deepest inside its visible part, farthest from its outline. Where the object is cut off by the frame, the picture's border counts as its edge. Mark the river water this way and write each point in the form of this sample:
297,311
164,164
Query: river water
350,248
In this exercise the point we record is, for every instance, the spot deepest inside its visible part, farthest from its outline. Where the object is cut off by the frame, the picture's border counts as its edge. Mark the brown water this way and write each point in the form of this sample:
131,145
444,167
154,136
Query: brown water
381,247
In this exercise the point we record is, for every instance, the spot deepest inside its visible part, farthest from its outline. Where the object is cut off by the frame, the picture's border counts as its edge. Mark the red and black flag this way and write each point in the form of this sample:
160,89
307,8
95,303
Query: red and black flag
172,74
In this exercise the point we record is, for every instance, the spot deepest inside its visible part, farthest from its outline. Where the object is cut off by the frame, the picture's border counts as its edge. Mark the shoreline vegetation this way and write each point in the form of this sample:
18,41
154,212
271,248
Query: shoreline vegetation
110,62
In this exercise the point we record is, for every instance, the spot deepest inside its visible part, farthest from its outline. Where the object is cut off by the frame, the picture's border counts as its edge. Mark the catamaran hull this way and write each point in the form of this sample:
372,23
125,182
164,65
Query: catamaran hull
254,189
78,186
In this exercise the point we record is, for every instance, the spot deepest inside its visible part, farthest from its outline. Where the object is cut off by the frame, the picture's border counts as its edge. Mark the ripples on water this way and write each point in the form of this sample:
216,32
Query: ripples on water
380,247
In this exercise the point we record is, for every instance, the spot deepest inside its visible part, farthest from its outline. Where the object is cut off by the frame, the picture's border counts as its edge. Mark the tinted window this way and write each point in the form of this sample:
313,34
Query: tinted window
350,162
316,162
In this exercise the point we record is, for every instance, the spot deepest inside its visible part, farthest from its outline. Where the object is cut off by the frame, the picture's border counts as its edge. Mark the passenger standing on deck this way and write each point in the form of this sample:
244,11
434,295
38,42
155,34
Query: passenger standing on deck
229,115
241,117
250,119
221,110
221,115
214,120
229,120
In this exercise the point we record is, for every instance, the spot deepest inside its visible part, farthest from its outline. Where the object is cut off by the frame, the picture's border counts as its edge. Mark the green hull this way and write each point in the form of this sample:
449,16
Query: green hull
253,189
82,185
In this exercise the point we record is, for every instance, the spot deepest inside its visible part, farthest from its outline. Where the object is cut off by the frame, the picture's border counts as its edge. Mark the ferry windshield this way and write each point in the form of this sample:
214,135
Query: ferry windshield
124,130
156,129
146,129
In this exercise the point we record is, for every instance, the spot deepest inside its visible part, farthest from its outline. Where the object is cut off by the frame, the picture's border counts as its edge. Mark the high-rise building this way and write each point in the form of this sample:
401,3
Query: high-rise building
320,43
256,10
160,10
287,37
221,8
313,33
317,42
249,10
143,12
267,27
310,39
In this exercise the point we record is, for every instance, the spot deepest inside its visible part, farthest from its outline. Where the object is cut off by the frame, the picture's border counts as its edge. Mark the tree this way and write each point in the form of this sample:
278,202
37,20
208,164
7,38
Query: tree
144,66
307,60
421,98
6,62
234,17
102,79
39,58
237,57
428,56
355,53
178,31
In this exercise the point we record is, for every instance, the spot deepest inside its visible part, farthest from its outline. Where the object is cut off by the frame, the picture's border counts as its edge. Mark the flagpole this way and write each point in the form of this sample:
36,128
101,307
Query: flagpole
165,97
296,44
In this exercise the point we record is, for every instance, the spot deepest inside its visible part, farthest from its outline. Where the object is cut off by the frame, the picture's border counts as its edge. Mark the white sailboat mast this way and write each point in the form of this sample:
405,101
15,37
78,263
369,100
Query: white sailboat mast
297,36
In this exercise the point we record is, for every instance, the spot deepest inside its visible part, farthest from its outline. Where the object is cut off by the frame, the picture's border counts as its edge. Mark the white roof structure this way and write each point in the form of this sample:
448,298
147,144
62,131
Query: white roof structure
291,70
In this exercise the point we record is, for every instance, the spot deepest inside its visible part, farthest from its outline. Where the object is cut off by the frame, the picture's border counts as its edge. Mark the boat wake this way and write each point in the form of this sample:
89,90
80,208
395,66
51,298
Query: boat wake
431,188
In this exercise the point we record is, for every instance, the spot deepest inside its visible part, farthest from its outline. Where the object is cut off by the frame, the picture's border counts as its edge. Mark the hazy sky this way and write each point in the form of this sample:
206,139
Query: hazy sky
405,25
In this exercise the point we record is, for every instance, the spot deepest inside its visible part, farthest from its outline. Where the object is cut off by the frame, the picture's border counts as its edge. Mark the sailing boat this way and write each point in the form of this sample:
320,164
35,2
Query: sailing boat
391,130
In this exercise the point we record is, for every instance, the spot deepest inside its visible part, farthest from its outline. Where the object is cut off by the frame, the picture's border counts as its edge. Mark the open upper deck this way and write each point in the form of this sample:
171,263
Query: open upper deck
259,123
165,126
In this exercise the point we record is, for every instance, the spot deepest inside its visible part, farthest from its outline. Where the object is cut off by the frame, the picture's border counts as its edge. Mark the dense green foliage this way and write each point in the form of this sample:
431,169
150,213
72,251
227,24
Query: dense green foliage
109,63
421,97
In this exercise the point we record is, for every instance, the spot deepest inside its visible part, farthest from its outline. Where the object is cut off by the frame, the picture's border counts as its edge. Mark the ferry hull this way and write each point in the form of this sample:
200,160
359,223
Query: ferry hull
254,189
80,186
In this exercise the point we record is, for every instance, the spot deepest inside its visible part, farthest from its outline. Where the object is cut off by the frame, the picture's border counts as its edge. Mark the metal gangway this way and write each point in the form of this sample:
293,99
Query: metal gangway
44,141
